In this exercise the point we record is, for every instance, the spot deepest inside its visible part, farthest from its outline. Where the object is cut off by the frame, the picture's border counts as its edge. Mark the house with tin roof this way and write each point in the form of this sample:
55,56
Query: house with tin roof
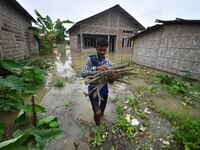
16,40
114,24
170,45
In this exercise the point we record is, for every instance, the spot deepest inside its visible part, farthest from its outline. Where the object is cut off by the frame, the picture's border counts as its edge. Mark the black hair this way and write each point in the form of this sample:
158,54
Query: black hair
101,42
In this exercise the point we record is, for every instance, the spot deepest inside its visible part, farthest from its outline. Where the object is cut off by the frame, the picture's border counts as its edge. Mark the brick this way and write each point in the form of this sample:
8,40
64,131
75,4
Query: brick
15,38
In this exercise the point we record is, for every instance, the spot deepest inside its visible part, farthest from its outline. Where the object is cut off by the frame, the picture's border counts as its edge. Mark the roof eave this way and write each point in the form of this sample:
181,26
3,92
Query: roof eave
23,11
146,31
177,21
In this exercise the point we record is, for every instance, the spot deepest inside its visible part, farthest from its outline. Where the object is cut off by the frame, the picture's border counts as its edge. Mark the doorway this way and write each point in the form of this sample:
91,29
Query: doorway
112,43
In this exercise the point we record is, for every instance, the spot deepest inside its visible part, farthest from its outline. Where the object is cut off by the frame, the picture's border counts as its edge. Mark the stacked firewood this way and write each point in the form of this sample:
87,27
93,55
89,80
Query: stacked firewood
97,79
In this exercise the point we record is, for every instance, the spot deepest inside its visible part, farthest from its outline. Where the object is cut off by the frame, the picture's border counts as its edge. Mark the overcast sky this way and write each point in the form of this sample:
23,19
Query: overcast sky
144,11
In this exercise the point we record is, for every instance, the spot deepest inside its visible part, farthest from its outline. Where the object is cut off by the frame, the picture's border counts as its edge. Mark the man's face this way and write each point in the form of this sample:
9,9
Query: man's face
101,51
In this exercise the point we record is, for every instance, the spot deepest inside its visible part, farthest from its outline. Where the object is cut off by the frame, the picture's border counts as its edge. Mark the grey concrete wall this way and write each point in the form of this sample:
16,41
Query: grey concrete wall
110,23
74,40
15,38
173,48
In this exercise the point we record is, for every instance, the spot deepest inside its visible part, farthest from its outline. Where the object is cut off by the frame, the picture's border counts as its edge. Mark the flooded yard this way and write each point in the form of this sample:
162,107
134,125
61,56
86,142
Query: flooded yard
142,103
77,119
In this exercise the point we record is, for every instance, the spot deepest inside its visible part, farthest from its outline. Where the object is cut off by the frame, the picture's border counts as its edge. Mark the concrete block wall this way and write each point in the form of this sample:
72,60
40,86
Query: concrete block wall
146,49
74,39
173,48
16,40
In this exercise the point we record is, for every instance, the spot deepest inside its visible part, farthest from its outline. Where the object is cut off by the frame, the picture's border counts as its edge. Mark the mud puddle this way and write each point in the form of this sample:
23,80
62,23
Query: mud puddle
172,105
162,100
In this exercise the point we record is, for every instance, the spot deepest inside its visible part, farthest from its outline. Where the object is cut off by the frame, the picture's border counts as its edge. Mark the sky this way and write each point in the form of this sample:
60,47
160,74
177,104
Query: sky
144,11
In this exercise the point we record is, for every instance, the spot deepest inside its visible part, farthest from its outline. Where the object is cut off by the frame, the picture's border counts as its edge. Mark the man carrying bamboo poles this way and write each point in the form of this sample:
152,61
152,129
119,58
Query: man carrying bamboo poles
99,94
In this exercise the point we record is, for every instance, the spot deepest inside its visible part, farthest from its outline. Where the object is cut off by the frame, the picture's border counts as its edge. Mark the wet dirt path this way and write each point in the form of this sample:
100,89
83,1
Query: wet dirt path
77,119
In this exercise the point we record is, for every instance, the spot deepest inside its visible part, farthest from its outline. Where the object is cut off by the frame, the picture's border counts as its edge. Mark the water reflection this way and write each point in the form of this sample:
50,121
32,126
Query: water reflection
63,63
172,105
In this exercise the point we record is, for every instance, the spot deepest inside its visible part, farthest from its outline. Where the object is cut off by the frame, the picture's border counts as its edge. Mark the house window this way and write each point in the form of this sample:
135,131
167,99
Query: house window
127,31
126,42
89,42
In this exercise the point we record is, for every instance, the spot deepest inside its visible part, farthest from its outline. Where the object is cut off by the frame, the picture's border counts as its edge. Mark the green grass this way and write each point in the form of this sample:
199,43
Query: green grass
188,133
60,82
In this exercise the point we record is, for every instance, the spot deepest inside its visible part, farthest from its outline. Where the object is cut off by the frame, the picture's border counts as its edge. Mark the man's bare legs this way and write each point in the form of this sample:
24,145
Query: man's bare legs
97,117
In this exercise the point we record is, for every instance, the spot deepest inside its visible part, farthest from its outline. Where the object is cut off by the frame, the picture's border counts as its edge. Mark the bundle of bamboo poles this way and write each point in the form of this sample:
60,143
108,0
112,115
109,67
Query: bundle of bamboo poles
97,79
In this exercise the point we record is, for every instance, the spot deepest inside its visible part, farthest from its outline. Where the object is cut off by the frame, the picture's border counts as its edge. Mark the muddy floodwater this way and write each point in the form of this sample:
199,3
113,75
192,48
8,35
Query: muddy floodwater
77,119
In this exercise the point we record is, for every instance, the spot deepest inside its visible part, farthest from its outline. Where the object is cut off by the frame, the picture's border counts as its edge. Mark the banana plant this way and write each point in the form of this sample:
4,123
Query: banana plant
49,32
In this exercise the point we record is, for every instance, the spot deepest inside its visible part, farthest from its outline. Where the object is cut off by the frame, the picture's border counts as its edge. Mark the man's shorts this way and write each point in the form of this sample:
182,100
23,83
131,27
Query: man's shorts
95,102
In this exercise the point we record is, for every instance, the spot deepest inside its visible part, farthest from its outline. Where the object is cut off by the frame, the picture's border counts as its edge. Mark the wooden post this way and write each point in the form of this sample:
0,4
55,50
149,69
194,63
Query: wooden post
34,113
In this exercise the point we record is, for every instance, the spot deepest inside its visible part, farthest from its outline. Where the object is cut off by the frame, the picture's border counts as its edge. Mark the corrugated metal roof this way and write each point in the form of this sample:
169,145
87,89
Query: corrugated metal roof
120,9
20,9
177,21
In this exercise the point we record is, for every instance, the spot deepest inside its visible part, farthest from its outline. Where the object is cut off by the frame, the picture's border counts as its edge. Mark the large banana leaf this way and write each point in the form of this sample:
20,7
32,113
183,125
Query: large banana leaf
10,100
17,140
28,108
47,136
22,119
49,24
58,24
38,15
46,120
30,89
40,20
15,96
11,82
42,137
11,66
15,147
67,21
33,75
